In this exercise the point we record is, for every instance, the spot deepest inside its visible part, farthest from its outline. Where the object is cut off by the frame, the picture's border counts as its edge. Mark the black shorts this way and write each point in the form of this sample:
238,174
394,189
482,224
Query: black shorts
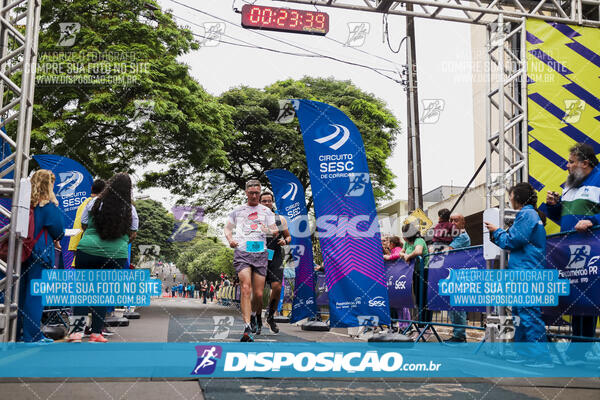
275,267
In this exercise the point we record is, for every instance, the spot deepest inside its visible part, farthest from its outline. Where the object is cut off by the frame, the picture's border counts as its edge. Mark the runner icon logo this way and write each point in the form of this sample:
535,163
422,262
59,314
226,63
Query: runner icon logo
296,253
223,325
207,359
287,111
69,181
357,33
68,33
573,110
367,320
579,256
358,183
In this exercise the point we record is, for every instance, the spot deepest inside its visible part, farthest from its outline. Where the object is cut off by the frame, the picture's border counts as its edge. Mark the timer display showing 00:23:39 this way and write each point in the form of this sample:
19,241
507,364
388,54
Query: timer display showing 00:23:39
284,19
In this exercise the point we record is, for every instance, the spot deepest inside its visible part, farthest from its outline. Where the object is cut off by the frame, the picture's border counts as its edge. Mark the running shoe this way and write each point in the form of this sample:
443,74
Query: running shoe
247,336
75,337
87,332
97,338
272,325
253,323
107,332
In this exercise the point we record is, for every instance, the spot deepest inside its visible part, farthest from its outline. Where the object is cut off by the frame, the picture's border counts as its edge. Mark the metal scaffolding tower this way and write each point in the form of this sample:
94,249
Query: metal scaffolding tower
19,31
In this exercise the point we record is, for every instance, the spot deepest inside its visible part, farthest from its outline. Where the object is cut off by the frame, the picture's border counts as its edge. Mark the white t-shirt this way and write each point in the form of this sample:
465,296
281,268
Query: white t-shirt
248,222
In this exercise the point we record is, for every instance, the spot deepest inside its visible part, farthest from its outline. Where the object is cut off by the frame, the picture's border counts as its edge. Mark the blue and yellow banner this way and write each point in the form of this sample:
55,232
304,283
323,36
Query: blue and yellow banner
563,74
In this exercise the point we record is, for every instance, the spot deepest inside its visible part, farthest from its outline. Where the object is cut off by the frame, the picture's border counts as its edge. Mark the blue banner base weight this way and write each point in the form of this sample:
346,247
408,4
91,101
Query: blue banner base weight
131,315
318,326
114,321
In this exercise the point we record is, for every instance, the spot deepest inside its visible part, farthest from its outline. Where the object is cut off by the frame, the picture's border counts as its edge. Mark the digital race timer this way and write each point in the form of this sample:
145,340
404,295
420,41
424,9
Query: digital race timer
285,19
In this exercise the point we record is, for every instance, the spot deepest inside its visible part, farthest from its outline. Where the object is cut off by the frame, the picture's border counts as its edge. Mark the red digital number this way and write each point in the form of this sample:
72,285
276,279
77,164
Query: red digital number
320,19
283,14
295,17
255,15
308,19
264,16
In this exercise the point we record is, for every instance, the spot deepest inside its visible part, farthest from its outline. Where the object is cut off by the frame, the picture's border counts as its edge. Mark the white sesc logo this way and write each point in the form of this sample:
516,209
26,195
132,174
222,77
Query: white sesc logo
338,129
292,192
377,302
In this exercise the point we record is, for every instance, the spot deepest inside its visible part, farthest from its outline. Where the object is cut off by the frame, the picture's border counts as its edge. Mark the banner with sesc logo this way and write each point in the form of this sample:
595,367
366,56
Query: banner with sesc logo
73,185
347,223
291,204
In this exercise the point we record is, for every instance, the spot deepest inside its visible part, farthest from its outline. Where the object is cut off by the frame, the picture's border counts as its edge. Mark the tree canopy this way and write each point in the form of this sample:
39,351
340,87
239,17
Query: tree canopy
156,227
122,57
258,143
206,258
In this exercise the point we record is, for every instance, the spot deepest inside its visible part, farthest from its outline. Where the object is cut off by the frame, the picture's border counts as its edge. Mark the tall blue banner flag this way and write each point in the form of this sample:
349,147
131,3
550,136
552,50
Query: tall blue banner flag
291,204
73,185
347,223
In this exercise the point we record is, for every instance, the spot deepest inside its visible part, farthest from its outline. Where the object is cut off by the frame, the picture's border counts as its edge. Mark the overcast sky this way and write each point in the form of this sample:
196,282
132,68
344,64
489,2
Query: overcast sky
443,59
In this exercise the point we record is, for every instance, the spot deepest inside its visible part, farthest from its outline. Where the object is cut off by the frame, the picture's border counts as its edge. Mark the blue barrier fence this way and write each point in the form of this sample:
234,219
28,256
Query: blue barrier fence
415,286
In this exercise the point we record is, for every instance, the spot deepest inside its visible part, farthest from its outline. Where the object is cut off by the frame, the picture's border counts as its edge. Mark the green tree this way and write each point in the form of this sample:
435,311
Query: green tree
259,144
205,258
156,227
136,45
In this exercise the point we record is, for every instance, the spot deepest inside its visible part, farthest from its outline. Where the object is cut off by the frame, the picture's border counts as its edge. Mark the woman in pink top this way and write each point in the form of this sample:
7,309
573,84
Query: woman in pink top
395,249
396,253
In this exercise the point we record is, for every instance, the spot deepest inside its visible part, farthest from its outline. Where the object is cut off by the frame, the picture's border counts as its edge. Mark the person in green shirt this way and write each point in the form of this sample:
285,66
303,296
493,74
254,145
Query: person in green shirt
415,246
110,223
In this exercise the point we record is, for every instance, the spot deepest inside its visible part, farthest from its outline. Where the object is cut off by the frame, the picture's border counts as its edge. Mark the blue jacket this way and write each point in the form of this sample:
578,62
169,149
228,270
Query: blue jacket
49,217
525,239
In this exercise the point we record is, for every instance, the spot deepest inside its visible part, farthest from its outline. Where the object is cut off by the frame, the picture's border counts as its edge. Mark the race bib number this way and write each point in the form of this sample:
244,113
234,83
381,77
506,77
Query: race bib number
271,254
255,246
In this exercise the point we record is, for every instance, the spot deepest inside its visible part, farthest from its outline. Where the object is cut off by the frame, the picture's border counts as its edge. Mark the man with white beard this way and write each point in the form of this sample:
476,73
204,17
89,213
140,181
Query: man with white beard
578,209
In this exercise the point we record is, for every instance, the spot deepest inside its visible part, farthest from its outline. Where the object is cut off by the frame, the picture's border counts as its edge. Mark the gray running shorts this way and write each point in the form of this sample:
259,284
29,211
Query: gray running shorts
256,261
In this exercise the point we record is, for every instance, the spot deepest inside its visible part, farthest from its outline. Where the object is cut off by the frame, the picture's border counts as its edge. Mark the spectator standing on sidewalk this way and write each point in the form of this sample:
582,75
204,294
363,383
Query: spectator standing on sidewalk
395,249
463,239
49,228
442,232
204,291
110,222
578,209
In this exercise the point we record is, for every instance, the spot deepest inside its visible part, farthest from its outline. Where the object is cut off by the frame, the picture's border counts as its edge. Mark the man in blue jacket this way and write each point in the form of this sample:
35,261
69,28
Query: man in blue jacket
578,209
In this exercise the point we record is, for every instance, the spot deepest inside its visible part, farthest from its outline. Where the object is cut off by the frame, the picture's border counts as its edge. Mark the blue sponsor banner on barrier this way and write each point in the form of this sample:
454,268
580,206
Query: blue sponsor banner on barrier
347,223
291,204
440,265
399,282
281,360
73,185
95,287
509,287
576,256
